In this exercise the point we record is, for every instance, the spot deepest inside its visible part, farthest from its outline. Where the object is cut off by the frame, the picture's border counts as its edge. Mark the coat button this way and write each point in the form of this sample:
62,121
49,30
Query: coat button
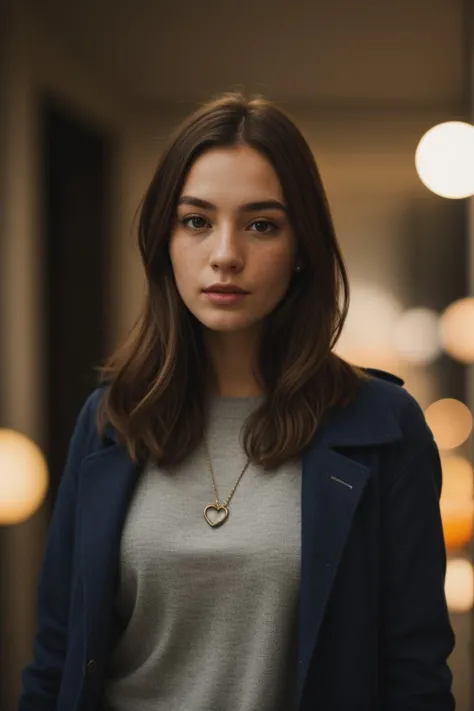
91,666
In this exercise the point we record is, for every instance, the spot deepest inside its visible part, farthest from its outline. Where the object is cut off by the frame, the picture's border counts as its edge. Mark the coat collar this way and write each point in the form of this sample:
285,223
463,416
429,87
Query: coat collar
367,420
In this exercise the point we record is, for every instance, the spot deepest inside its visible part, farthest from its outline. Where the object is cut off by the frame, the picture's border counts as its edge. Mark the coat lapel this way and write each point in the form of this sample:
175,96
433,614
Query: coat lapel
107,482
331,489
332,486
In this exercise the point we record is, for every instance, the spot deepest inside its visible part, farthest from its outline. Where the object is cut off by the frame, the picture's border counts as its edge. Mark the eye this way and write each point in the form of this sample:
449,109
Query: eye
264,226
194,223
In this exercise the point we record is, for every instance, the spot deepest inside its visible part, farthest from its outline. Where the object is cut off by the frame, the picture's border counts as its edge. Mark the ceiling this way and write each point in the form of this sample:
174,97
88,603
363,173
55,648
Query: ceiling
338,51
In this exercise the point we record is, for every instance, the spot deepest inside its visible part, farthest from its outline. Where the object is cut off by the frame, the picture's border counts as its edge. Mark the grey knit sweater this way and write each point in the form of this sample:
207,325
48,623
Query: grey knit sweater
210,615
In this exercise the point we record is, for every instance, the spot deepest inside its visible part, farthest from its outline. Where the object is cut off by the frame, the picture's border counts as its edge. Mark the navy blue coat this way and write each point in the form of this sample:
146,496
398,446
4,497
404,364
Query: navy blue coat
374,631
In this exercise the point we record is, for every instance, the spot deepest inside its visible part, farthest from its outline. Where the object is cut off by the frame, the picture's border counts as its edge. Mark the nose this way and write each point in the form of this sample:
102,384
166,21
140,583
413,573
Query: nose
227,250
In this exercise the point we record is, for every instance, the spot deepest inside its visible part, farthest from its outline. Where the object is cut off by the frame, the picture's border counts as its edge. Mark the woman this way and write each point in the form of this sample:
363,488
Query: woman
245,521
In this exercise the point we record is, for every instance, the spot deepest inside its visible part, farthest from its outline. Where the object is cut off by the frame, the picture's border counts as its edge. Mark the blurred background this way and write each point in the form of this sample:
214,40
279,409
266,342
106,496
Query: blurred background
89,91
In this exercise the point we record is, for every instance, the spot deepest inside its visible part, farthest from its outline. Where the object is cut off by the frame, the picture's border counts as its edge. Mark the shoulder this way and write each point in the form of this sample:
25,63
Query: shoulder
381,413
412,461
383,394
388,390
86,434
90,407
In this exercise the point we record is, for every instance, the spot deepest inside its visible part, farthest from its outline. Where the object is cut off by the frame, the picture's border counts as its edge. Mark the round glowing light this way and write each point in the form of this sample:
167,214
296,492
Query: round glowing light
367,337
459,585
23,477
457,330
444,159
416,336
450,421
457,517
457,502
458,478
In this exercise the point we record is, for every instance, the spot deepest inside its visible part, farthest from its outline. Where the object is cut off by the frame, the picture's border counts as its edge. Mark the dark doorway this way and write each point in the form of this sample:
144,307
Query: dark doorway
75,179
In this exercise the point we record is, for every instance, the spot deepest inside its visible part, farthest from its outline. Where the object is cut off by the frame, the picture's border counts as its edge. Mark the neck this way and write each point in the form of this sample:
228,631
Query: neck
233,356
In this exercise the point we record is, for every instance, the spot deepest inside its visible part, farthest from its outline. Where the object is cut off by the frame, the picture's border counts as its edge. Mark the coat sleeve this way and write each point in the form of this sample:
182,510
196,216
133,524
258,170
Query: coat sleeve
41,679
416,635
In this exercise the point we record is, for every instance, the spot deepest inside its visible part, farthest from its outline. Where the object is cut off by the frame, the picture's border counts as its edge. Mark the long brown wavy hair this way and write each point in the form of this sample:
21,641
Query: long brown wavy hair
159,381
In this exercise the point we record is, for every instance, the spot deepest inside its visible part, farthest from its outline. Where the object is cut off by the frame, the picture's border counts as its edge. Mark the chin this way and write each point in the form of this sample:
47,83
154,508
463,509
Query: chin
227,327
227,323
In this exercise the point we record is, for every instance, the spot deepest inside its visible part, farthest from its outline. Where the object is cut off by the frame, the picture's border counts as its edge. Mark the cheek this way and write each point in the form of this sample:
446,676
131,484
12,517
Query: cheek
275,269
181,261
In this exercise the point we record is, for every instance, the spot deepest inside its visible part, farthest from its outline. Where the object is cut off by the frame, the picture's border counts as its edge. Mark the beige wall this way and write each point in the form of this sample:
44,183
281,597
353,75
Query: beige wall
30,62
20,354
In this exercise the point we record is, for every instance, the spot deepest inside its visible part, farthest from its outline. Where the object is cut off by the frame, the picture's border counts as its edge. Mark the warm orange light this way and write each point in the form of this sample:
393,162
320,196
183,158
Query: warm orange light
450,421
459,585
23,477
457,330
458,478
457,519
457,501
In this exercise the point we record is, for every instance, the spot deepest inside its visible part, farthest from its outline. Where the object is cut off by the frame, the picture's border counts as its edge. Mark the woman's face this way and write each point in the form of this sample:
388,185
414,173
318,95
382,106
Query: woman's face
232,228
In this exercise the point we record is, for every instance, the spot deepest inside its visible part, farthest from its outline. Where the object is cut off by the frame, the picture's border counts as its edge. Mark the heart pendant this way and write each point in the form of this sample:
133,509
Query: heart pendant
218,515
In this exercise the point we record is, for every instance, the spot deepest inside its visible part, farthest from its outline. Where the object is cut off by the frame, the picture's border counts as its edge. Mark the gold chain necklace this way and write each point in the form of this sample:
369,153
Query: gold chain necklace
217,507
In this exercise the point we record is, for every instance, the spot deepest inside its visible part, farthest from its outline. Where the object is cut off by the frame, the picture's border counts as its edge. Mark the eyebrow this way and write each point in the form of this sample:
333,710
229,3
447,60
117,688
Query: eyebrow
248,207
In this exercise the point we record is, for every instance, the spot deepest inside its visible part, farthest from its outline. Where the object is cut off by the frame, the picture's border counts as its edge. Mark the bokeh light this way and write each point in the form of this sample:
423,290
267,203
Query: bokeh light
417,336
367,337
459,585
458,477
457,519
457,330
457,501
450,421
444,159
23,477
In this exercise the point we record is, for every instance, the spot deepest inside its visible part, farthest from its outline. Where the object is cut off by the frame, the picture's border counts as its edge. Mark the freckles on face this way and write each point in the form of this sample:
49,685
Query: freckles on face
232,226
186,261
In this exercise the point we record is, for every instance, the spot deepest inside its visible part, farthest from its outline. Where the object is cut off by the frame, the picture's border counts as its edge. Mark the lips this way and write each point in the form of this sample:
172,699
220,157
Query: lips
225,298
225,290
